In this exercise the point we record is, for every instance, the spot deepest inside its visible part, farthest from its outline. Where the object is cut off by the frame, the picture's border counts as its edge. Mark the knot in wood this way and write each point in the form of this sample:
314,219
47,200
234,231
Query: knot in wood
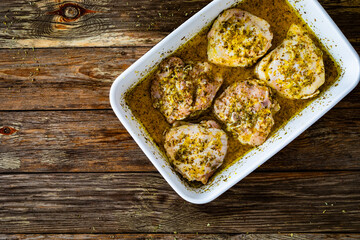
71,12
7,130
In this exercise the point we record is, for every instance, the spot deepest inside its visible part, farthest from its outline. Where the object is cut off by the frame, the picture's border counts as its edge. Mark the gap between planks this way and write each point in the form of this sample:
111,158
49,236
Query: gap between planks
180,236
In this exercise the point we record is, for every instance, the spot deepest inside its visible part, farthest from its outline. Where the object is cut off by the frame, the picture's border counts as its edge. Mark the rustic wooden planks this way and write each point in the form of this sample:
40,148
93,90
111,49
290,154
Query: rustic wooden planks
69,141
95,141
61,78
50,65
80,78
176,236
110,23
117,23
143,202
50,79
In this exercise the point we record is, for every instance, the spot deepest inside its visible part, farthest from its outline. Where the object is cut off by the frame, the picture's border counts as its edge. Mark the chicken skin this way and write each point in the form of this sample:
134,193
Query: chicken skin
295,69
196,150
180,91
238,38
247,108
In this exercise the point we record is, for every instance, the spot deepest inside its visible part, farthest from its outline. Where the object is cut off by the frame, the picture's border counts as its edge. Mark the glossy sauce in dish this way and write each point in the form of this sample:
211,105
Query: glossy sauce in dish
280,15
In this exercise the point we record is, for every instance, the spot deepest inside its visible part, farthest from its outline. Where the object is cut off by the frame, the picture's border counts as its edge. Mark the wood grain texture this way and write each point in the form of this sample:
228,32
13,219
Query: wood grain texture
119,23
95,141
61,78
51,62
49,79
112,23
176,236
327,202
68,141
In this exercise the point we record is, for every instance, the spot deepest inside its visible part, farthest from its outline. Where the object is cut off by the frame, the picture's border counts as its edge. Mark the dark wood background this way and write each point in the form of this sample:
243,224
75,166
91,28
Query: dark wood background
68,168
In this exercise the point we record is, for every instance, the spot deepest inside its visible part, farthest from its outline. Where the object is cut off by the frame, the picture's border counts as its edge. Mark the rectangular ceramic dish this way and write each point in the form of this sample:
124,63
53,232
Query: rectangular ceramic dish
324,28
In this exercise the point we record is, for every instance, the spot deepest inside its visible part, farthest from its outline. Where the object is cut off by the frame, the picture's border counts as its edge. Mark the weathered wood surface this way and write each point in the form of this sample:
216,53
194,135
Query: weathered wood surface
176,236
110,23
61,78
95,141
118,23
143,203
70,62
72,78
69,141
81,78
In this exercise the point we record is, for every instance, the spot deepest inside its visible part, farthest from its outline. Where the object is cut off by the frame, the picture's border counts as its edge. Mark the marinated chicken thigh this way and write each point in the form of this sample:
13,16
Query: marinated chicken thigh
295,69
196,150
238,38
180,90
247,108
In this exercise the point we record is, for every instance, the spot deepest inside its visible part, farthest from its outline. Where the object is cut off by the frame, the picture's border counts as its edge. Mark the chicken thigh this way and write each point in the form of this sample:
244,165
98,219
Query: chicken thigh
196,150
238,38
180,90
295,69
247,108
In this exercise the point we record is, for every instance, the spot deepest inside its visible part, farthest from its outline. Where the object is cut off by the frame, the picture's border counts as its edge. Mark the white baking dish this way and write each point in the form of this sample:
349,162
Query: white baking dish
324,28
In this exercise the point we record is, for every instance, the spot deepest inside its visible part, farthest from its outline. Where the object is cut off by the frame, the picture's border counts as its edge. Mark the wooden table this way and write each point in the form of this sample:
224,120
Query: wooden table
70,170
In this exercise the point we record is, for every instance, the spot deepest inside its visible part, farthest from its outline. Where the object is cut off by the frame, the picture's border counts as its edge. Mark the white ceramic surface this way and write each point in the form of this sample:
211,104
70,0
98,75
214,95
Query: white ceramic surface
324,28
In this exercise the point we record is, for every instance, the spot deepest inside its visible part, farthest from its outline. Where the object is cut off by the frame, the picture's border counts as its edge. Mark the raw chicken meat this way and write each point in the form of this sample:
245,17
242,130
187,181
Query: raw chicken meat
196,150
247,108
295,69
238,38
180,91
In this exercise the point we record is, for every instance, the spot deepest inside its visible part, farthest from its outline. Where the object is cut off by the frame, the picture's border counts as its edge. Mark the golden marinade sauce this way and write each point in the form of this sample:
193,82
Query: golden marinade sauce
280,15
